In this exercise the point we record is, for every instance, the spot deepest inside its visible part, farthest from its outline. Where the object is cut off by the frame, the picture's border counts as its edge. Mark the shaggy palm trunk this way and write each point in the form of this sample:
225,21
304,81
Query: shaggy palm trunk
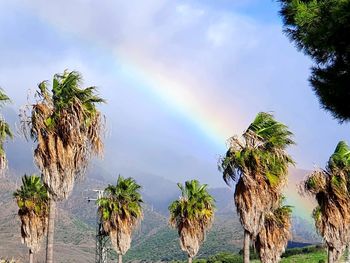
120,258
50,232
246,246
31,256
330,255
189,259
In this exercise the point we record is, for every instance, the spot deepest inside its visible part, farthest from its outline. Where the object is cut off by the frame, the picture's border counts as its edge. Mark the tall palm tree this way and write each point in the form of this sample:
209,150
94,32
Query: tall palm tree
192,215
33,203
273,238
67,127
5,131
259,163
120,212
330,187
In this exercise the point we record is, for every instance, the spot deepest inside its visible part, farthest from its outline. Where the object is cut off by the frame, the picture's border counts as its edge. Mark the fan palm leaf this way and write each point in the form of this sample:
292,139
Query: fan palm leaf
192,215
120,211
330,187
258,163
32,201
272,240
67,127
5,131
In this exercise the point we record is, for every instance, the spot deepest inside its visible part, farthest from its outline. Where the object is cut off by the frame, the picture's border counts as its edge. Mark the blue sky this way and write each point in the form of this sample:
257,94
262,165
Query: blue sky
229,60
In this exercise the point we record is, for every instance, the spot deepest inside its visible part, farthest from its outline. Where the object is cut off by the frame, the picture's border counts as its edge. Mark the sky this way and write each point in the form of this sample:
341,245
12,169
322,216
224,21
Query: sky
180,77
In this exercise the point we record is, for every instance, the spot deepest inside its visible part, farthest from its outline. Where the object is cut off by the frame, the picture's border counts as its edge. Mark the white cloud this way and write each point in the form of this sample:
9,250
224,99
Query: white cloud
230,63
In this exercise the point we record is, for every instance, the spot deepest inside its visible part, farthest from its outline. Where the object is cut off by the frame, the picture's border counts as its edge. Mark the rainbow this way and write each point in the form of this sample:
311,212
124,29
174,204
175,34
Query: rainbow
182,96
177,94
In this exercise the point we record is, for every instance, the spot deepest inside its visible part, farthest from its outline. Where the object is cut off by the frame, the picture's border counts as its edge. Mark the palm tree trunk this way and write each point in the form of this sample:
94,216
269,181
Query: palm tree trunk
120,258
330,255
50,232
31,256
189,259
246,246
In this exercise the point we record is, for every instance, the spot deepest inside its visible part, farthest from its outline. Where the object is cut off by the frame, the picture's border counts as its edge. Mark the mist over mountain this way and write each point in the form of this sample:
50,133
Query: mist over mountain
79,215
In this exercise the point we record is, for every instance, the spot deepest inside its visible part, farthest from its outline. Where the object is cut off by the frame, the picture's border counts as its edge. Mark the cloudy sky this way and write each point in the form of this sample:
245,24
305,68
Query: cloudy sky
180,77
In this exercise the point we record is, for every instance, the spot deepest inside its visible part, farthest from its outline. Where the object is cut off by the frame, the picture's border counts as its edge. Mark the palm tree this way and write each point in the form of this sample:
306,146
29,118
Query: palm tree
330,187
120,212
67,127
33,203
192,215
273,238
258,162
5,131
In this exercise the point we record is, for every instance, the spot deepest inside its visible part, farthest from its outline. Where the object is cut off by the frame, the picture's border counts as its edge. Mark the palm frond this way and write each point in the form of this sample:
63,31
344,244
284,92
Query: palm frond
192,215
330,187
68,129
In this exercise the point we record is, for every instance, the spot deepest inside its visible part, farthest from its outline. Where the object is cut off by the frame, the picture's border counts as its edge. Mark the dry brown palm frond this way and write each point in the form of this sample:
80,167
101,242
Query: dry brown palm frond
33,229
333,227
254,198
192,234
120,229
332,216
235,144
65,142
190,241
120,240
273,238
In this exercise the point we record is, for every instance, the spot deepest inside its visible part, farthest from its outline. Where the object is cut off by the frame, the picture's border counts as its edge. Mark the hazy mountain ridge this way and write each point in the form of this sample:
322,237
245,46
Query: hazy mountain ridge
152,241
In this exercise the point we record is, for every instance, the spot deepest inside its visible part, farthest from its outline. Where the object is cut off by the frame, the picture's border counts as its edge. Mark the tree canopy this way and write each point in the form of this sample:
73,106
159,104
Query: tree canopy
260,150
33,203
5,130
320,28
68,129
330,187
192,215
120,211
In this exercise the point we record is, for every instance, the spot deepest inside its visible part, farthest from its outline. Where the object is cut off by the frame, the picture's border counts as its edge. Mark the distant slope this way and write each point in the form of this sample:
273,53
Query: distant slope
74,239
154,240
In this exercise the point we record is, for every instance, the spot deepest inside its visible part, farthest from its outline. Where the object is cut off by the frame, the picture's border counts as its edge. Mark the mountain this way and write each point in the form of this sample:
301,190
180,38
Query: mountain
74,238
152,241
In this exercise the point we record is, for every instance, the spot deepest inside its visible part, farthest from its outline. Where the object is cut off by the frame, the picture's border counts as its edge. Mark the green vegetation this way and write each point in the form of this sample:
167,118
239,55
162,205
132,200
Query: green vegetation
311,254
120,212
33,201
330,187
66,126
192,215
259,163
5,131
320,28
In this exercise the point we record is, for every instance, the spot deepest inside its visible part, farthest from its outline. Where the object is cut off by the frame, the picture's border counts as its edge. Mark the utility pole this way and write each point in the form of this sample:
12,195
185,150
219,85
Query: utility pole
101,236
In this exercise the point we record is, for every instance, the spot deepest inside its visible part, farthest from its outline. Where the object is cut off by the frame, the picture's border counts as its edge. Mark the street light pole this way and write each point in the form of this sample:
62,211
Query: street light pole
101,237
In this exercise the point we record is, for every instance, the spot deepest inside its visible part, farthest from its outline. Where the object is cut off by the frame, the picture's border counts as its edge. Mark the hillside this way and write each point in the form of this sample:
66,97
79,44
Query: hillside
74,238
76,219
153,240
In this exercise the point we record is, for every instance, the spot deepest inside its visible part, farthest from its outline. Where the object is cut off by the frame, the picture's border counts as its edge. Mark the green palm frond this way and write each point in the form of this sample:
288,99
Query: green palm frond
330,187
4,99
261,150
121,201
66,90
32,195
340,159
5,130
195,205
